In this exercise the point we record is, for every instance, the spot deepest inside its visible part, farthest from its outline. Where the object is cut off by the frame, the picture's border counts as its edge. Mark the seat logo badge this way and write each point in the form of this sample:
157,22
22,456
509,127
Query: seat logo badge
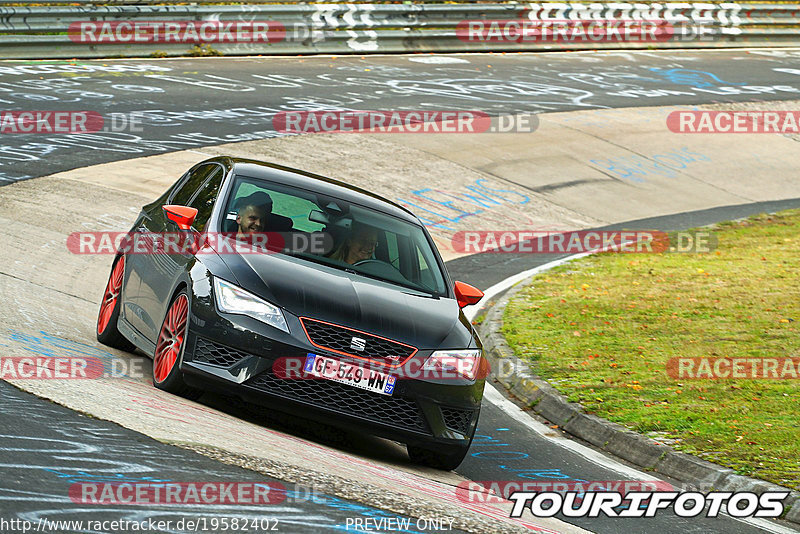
358,344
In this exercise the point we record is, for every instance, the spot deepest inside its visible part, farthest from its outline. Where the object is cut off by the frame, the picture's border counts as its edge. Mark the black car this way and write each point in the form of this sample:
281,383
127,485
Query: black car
351,319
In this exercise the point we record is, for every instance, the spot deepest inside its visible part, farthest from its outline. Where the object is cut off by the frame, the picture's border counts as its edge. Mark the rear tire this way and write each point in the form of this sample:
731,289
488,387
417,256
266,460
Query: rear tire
107,332
170,347
445,458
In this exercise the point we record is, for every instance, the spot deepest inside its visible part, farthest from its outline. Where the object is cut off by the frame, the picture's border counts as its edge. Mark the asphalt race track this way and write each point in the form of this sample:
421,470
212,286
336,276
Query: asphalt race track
195,103
201,102
54,448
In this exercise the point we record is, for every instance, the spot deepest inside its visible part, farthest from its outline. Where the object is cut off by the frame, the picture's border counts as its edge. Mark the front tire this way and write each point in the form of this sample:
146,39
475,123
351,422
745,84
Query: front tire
170,347
107,332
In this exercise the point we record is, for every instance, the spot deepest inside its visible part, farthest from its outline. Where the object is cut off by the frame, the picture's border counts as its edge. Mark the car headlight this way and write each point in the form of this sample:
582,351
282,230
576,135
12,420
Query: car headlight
234,299
464,362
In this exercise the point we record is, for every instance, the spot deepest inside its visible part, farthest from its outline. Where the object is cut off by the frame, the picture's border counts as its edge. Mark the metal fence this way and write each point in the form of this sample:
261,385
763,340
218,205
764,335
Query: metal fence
147,28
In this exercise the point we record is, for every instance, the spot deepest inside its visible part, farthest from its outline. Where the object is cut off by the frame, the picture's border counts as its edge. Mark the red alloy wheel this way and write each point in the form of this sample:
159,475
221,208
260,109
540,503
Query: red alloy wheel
170,340
111,295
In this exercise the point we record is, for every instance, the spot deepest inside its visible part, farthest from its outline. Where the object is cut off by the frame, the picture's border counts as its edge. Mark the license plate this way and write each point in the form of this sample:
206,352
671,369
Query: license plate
347,373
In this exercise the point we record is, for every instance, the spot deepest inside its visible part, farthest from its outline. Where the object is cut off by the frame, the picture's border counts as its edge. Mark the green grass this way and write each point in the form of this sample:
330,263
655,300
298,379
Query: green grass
602,329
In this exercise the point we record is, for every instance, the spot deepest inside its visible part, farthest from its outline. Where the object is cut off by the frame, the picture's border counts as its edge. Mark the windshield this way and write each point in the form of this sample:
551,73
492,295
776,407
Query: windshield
337,233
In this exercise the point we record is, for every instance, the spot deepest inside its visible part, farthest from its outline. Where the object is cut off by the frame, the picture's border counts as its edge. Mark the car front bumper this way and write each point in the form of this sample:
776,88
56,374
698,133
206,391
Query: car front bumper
236,355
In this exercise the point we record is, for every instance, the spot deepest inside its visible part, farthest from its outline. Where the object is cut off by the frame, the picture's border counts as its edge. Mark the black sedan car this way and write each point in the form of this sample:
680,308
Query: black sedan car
350,319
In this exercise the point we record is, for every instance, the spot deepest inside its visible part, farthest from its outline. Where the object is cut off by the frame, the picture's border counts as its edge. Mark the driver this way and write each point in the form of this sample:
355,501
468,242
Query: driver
359,246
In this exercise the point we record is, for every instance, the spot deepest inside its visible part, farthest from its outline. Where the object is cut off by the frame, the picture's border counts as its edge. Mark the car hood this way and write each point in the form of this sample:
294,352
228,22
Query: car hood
311,290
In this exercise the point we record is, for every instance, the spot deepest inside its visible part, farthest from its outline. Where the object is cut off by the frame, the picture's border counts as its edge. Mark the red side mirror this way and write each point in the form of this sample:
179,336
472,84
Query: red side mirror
467,295
183,216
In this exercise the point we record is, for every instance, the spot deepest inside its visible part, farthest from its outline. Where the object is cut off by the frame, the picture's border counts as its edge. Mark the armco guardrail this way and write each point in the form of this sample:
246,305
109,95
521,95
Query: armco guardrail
142,29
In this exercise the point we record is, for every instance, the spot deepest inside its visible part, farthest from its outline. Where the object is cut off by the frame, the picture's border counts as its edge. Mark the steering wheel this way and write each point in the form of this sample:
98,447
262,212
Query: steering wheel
380,266
370,261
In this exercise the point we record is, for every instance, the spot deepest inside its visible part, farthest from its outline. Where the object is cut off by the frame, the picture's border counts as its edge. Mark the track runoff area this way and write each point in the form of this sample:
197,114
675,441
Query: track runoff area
533,449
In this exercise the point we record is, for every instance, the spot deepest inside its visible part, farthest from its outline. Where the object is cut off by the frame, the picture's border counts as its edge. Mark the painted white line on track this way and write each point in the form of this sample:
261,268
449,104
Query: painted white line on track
515,412
598,458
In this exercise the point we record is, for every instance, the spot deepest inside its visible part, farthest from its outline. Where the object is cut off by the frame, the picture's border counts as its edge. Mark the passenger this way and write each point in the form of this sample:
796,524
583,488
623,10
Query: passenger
359,246
250,219
253,213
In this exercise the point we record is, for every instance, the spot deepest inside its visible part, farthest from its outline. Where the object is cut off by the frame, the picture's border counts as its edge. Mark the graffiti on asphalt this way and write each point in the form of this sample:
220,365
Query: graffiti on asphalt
665,164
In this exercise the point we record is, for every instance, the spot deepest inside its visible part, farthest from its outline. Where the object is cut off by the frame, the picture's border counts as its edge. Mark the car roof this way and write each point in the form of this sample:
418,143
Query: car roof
319,184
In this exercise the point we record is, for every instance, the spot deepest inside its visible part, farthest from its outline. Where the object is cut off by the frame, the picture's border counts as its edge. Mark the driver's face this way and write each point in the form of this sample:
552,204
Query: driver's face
252,219
363,245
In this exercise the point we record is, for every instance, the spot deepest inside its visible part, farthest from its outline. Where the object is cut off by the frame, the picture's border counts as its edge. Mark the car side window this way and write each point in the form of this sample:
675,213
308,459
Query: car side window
196,178
295,208
425,274
393,250
289,207
206,197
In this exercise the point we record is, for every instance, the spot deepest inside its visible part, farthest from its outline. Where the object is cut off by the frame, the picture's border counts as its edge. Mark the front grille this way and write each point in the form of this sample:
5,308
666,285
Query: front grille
394,411
457,419
340,339
208,352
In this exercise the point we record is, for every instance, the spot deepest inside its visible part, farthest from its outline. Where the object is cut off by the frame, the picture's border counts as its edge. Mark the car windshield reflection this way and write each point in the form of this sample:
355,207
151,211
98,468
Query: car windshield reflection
336,233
